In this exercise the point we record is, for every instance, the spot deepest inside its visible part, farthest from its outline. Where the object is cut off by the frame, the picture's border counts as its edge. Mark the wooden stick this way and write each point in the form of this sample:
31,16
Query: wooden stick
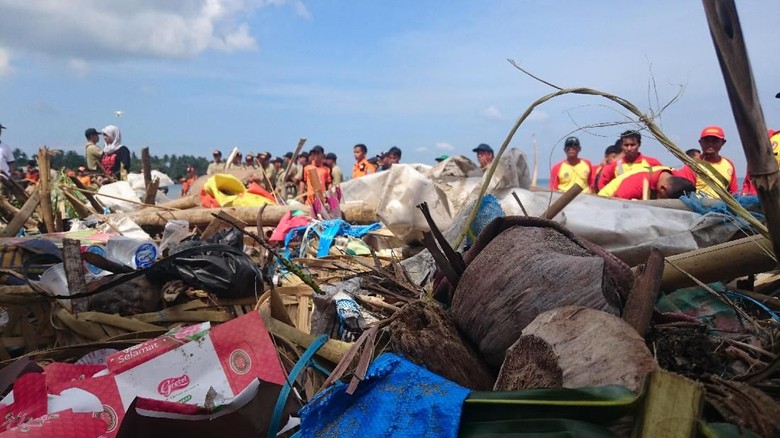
520,203
14,187
562,202
183,203
298,148
7,210
74,273
146,168
81,210
44,187
19,220
88,194
151,192
641,301
333,350
729,43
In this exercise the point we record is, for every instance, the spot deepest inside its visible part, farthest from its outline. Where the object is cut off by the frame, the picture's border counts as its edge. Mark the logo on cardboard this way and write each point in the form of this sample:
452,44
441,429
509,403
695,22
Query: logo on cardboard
108,415
169,386
240,362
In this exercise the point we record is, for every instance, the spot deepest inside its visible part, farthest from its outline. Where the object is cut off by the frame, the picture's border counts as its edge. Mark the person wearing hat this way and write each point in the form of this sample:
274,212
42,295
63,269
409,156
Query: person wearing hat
336,174
216,166
484,155
92,152
362,166
6,155
748,189
441,158
285,177
631,161
317,164
573,170
711,140
249,162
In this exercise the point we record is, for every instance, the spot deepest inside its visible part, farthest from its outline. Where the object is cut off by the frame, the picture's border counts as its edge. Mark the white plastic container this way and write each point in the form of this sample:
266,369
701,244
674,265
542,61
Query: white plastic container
136,253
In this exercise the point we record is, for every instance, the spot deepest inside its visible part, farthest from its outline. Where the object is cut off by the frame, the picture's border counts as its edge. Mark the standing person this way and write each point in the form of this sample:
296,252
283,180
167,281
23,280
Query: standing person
116,156
573,170
711,140
32,175
237,161
216,166
392,156
748,189
611,153
249,162
190,179
484,155
336,174
6,155
286,177
317,155
632,160
361,167
92,151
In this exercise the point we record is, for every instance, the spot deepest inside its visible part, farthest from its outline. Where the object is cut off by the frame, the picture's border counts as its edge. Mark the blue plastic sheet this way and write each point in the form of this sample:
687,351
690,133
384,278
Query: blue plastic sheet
397,398
489,209
327,231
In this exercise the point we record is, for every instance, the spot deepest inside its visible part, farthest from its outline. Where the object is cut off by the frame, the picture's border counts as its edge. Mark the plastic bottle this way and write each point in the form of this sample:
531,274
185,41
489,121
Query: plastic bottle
136,253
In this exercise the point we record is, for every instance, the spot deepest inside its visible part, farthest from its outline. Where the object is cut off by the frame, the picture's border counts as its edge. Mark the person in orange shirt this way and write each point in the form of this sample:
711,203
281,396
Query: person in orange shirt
711,140
31,174
187,184
573,170
317,162
748,189
362,167
84,176
632,160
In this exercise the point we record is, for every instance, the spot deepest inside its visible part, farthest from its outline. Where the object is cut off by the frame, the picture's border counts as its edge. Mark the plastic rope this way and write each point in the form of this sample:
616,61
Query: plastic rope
281,401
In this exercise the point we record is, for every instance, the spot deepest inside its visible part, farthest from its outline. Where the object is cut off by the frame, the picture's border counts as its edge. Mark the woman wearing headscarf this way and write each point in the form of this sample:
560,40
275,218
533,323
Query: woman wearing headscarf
116,156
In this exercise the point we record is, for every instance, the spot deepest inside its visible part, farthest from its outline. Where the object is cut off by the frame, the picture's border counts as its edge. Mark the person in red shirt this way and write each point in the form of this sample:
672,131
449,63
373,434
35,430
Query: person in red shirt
317,162
711,140
611,153
573,170
662,182
632,160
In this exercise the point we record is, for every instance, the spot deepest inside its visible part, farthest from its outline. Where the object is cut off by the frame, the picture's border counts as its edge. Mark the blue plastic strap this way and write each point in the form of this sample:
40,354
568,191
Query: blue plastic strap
281,401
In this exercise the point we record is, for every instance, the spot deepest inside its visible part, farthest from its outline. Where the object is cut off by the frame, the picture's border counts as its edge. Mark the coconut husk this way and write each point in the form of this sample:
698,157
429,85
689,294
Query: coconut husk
530,363
743,405
521,267
426,335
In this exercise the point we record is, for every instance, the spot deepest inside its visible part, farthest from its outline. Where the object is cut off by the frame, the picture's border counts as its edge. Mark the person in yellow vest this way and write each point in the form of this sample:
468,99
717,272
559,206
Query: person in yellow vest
631,161
658,182
573,170
748,189
711,140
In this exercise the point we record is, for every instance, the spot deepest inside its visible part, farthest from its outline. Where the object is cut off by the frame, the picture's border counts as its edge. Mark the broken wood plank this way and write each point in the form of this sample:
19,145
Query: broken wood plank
90,197
641,300
146,167
14,187
44,188
74,273
151,192
81,210
24,214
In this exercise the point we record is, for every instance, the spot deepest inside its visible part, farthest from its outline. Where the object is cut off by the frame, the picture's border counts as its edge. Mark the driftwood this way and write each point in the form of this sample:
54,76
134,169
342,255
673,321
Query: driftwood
146,167
354,212
425,334
81,210
744,405
641,301
16,190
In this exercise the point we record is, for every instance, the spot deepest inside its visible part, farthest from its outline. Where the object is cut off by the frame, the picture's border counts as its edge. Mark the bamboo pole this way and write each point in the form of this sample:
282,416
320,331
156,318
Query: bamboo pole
729,43
44,188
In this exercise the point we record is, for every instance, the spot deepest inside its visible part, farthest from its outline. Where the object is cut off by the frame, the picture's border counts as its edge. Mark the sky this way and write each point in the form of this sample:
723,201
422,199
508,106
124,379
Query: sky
429,77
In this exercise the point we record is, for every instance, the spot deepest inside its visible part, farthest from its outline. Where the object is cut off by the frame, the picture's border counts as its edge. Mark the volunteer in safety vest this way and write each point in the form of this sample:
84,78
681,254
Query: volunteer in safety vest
774,138
711,140
631,161
661,181
573,170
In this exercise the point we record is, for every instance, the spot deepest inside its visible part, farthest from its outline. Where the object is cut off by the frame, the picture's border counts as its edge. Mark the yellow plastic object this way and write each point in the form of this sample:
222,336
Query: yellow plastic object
251,200
224,188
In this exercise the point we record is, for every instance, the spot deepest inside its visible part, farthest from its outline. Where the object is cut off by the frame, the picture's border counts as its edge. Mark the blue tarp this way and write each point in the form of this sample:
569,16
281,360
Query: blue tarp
327,231
397,398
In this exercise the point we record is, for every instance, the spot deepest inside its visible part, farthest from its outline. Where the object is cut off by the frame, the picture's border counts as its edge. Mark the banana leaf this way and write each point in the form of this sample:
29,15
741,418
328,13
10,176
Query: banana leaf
547,428
599,405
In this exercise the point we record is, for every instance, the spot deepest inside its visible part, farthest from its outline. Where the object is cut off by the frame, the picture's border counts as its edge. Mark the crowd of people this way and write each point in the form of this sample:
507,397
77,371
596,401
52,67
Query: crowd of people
628,174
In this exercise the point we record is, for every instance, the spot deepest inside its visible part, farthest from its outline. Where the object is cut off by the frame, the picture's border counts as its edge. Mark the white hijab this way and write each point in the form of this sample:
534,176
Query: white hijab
116,138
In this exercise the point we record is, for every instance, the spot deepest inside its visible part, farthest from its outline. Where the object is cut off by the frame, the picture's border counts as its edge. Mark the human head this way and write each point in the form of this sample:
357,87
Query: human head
330,159
250,159
1,128
191,170
711,140
359,151
217,156
611,153
277,162
111,135
92,135
672,187
630,142
303,158
287,157
82,169
693,153
316,155
31,163
484,154
394,155
572,147
237,158
264,158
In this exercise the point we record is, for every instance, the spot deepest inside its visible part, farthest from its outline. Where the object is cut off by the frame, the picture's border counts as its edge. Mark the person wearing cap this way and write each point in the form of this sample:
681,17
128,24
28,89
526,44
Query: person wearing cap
631,161
6,155
711,140
116,156
216,166
285,177
484,155
441,158
317,164
264,161
573,170
748,188
336,174
661,182
92,151
611,153
249,162
362,166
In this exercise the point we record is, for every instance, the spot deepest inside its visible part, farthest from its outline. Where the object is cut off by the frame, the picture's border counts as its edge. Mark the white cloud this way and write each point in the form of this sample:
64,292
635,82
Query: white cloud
93,29
79,66
492,113
5,62
422,149
445,146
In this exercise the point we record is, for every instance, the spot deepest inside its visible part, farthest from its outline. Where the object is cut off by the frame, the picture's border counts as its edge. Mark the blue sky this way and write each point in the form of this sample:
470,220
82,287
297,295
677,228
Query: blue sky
429,77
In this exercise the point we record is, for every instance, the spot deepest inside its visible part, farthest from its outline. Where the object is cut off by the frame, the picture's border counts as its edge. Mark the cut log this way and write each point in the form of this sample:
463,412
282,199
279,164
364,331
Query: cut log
529,363
426,335
146,168
593,348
